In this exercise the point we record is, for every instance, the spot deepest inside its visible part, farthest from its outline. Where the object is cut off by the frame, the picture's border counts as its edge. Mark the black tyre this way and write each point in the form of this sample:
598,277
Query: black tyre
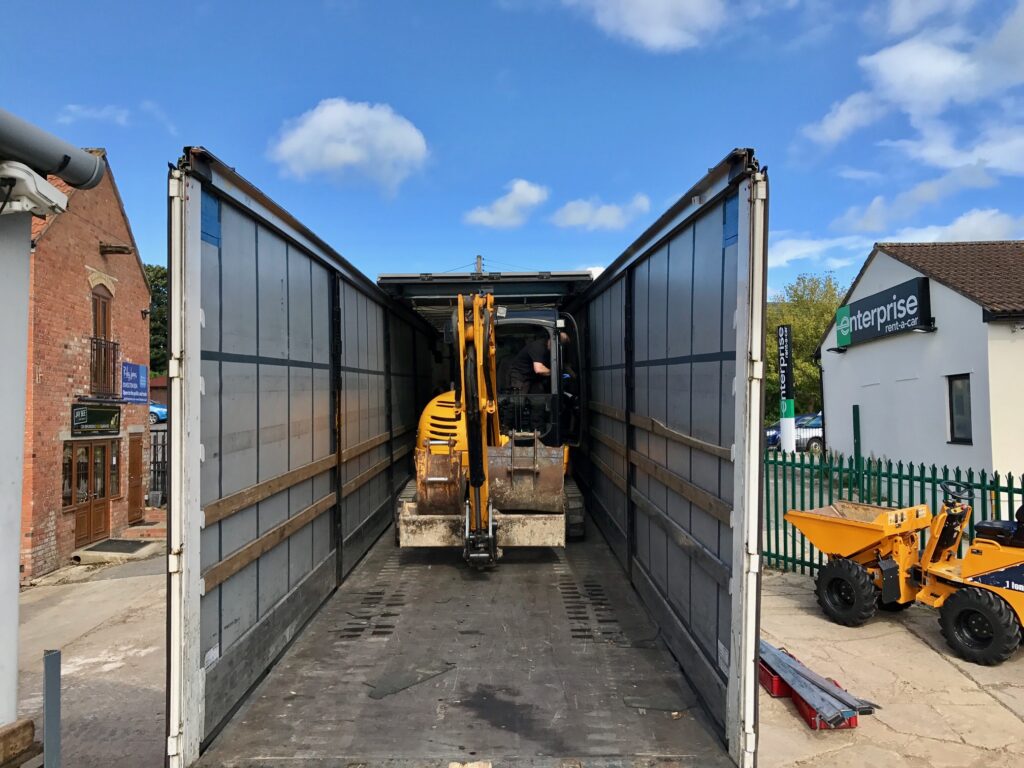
980,626
846,592
575,532
815,446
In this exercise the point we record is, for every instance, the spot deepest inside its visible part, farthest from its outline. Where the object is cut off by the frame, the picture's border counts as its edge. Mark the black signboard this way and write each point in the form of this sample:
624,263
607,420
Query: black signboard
95,420
904,307
785,336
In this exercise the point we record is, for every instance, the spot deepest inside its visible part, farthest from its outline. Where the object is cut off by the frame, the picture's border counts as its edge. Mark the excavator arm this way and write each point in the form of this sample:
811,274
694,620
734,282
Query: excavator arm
476,402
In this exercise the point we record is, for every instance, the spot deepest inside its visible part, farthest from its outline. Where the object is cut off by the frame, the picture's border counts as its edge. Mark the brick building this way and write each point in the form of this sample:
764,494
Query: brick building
86,449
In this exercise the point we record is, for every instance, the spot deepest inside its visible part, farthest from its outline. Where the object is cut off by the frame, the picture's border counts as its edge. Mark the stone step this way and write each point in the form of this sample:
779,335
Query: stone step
155,514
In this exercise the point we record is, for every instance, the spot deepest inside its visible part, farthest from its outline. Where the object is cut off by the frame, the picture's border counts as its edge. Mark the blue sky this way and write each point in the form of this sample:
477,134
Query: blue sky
546,134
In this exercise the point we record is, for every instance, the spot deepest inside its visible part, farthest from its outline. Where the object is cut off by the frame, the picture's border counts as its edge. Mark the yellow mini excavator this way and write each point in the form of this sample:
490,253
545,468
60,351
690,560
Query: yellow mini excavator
491,459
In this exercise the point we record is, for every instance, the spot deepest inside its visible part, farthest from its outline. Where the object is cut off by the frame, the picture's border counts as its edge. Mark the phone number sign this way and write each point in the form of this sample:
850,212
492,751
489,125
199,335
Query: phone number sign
134,383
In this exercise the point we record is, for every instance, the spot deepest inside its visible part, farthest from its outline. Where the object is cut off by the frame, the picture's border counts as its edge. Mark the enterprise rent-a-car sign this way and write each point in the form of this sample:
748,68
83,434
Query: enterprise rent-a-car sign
903,307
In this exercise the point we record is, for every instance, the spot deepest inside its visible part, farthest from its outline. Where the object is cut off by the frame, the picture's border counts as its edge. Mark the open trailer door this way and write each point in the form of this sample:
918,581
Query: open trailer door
286,435
675,331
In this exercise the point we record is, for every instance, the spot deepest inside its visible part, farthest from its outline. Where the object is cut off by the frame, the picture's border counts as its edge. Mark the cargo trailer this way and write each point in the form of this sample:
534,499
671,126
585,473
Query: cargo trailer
298,634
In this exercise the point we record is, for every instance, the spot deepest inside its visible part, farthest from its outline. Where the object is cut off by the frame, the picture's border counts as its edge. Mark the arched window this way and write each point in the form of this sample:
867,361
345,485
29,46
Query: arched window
101,298
104,349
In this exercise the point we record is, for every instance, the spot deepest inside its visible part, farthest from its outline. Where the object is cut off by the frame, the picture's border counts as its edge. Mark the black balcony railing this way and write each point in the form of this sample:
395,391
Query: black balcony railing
103,369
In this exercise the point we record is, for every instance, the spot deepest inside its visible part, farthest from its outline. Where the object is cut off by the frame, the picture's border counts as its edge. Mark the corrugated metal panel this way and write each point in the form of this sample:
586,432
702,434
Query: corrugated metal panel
668,331
264,373
282,361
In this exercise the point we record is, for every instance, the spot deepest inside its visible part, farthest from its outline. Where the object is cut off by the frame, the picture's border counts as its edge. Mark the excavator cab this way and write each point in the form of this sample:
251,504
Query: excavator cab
550,405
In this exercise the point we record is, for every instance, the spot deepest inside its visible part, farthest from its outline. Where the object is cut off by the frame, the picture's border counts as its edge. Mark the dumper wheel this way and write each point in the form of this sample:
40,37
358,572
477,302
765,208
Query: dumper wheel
846,592
980,626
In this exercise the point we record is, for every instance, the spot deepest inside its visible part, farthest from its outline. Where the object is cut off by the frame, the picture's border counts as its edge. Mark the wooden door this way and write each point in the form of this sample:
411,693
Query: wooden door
135,510
92,473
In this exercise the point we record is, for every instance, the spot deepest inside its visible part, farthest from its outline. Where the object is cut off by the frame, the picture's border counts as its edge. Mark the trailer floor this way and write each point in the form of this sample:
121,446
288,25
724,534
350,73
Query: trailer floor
417,660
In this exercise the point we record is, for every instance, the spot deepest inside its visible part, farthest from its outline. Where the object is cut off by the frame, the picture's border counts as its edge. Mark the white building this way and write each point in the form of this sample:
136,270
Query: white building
929,343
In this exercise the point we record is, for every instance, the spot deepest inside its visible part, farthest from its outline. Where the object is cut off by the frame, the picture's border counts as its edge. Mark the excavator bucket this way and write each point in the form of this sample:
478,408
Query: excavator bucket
527,478
440,482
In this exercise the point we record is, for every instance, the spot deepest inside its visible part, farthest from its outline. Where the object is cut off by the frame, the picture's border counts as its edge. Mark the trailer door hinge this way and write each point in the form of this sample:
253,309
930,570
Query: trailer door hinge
174,187
760,188
174,368
173,745
757,370
174,561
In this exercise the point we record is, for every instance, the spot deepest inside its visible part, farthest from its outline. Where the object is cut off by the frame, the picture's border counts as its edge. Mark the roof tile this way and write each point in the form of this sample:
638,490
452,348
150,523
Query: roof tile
988,273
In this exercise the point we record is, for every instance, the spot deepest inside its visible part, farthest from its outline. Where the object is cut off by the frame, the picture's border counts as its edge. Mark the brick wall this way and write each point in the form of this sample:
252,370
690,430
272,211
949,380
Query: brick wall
60,326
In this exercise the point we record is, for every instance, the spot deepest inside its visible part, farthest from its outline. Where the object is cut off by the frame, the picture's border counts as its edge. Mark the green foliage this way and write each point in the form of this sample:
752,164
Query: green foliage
157,276
808,304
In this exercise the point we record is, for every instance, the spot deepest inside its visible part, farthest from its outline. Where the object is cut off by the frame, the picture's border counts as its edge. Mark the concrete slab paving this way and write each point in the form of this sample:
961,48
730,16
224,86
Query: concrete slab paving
111,634
937,710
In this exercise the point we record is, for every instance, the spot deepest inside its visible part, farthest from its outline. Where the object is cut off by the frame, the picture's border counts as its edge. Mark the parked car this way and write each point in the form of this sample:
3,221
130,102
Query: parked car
809,434
157,413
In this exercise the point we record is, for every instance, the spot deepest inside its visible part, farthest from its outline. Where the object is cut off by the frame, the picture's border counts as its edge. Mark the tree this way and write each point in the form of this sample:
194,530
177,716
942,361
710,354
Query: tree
808,304
157,276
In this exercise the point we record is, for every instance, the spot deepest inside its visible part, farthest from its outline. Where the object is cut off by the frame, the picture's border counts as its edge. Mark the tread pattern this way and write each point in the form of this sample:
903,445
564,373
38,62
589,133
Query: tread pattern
864,590
1006,627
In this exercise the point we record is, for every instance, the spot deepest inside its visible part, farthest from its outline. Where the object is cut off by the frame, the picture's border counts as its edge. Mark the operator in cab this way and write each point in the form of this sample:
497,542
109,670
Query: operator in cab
531,367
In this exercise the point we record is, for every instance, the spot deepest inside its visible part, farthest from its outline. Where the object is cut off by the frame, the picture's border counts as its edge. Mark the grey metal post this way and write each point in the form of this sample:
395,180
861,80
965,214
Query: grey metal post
15,235
51,709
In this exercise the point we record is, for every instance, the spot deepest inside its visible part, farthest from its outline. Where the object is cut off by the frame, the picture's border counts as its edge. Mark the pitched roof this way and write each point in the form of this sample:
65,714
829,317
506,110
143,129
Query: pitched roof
41,223
990,274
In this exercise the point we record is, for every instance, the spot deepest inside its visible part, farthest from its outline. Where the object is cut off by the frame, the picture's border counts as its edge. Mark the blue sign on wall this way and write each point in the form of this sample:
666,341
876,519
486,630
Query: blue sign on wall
134,383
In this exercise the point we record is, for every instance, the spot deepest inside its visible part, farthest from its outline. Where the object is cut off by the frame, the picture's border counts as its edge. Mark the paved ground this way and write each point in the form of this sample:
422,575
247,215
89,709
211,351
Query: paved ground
108,623
936,709
548,656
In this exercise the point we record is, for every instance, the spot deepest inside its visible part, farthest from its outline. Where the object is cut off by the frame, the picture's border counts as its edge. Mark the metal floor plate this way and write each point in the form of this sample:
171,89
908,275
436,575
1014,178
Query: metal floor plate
416,661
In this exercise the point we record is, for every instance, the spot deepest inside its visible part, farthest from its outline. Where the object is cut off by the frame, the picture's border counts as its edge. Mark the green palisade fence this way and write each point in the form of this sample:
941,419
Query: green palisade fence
803,481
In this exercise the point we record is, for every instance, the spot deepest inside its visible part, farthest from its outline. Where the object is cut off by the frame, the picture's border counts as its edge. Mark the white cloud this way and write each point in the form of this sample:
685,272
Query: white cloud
923,76
657,25
595,272
593,214
873,217
936,69
856,111
836,262
998,146
155,111
859,174
878,215
900,17
785,248
976,224
72,113
511,209
338,137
